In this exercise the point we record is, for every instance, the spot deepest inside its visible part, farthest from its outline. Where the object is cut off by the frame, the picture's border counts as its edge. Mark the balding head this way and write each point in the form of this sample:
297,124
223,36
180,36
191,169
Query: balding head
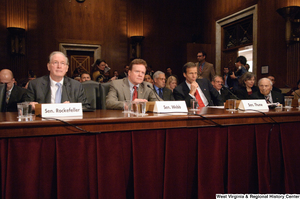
7,77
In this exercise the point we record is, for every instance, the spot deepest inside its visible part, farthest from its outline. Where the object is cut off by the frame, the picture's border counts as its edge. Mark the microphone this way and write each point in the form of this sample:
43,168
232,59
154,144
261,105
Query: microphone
223,86
157,97
291,89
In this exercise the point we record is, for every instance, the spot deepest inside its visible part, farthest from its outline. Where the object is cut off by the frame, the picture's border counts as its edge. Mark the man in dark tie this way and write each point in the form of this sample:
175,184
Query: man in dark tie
14,93
266,92
217,84
206,70
199,89
164,93
56,87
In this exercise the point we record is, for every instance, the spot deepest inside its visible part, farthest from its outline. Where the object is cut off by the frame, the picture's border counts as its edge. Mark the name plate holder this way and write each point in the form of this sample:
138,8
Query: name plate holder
70,110
255,104
167,107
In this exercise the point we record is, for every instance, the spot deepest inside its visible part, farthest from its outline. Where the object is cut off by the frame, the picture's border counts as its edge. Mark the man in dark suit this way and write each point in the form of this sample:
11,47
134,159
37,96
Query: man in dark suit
217,84
266,92
206,70
199,89
56,87
14,93
164,93
124,73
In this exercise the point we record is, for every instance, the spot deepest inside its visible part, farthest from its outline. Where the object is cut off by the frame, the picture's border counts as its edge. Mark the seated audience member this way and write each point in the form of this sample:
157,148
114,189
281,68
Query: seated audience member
148,78
116,74
247,87
265,92
132,88
296,93
14,93
164,93
56,87
272,78
171,83
85,76
199,89
99,68
169,73
240,70
217,84
149,71
124,73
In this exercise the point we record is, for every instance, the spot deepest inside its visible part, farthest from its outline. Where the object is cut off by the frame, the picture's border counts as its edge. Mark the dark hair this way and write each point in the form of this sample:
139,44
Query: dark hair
244,77
298,82
85,73
188,65
241,59
203,53
98,61
137,61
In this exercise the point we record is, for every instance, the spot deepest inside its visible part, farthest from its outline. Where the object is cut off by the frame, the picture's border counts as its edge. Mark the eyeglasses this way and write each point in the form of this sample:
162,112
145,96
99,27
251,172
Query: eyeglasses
55,63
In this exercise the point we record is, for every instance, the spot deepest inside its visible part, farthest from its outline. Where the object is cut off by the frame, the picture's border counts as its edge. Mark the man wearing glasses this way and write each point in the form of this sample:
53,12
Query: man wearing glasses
205,69
56,87
164,93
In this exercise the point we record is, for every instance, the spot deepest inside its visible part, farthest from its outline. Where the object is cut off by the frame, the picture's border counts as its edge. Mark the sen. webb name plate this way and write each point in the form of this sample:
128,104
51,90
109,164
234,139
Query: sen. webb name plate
59,110
170,107
258,104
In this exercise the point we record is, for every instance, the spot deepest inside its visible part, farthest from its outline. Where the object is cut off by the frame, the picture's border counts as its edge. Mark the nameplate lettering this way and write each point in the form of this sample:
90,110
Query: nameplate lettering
60,110
170,107
260,105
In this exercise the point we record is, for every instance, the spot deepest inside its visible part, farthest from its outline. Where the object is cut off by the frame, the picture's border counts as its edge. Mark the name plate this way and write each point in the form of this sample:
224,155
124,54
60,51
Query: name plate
59,110
170,107
260,105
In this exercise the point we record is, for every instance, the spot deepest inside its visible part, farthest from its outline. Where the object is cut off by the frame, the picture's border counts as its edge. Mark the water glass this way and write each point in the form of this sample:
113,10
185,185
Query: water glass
231,104
288,101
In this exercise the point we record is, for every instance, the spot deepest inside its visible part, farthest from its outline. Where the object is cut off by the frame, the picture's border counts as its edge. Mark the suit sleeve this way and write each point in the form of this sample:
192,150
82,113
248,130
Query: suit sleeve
215,96
178,95
30,94
112,100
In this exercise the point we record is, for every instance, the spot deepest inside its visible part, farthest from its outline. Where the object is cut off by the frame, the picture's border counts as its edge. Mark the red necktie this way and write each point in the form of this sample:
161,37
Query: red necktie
135,94
200,102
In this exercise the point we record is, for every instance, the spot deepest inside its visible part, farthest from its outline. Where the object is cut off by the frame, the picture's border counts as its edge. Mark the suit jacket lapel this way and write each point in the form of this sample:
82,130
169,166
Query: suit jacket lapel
46,89
65,91
126,89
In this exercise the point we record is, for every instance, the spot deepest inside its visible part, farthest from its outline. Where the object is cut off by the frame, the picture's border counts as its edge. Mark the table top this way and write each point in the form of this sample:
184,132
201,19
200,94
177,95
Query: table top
114,121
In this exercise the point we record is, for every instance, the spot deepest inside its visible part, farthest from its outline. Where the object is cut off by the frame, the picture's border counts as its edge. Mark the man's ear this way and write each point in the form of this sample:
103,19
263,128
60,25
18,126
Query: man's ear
184,75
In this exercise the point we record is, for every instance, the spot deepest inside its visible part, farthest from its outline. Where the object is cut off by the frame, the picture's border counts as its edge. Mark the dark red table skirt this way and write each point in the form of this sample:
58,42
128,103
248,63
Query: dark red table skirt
172,163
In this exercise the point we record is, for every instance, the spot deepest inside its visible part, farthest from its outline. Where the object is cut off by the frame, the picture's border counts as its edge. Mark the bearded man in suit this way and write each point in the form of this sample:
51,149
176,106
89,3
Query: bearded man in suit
56,87
198,89
206,70
132,88
14,94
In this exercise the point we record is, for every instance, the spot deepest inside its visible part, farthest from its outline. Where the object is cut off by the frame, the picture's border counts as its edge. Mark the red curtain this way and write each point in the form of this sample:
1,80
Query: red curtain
172,163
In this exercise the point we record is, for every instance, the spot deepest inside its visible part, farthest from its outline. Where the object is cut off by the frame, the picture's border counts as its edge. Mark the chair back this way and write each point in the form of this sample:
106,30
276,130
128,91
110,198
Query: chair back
104,91
2,97
92,93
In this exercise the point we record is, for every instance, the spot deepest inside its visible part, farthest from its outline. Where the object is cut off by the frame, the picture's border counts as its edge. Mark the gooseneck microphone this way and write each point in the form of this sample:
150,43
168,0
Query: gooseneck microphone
156,95
292,89
223,86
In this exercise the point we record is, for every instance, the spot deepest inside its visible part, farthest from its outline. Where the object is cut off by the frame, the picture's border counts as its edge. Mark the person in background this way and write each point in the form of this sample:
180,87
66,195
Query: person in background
246,82
56,87
227,80
217,84
171,83
169,73
198,89
85,76
265,92
247,67
124,73
206,70
164,93
150,71
14,94
116,74
148,78
240,70
272,78
296,93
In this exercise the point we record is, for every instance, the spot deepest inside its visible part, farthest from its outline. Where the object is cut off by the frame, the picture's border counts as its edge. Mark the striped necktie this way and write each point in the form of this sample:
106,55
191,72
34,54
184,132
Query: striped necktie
58,93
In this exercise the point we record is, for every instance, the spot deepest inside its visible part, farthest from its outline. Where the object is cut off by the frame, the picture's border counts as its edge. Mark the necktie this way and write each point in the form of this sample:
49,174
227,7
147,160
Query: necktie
160,93
58,93
268,99
135,94
200,102
7,96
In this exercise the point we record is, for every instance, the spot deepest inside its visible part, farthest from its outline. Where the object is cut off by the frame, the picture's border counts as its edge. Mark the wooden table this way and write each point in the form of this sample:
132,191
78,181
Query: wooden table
156,156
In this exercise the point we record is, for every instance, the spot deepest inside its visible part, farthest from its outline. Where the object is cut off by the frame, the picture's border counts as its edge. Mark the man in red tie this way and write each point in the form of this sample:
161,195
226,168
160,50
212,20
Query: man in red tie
132,88
199,89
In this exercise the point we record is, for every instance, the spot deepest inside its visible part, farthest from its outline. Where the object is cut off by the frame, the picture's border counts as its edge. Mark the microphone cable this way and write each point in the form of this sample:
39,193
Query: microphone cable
206,118
156,95
69,124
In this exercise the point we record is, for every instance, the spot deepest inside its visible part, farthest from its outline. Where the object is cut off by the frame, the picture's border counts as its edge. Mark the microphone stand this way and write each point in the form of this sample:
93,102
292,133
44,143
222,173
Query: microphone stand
223,86
156,95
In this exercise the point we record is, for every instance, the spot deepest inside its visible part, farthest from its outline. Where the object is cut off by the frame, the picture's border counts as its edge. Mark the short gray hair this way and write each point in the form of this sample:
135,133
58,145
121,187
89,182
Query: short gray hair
265,79
214,78
58,52
157,73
